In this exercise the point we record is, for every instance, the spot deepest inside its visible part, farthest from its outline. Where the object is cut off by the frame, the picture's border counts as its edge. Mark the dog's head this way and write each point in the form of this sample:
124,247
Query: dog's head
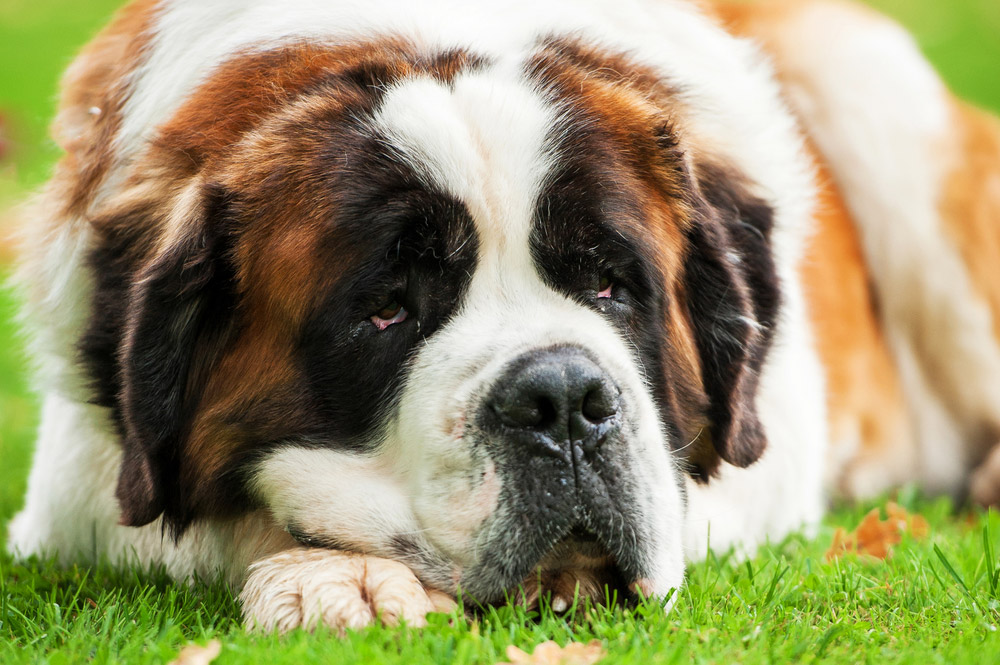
479,316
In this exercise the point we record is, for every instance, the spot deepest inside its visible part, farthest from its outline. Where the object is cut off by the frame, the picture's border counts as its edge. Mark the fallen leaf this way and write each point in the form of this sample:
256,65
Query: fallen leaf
970,521
550,653
916,524
194,654
874,536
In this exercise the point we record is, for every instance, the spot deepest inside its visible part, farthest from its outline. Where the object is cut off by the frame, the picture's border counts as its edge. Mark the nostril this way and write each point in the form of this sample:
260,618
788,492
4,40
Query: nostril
547,414
535,413
599,404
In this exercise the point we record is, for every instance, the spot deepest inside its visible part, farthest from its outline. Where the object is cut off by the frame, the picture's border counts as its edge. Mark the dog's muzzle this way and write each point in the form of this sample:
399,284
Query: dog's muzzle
555,423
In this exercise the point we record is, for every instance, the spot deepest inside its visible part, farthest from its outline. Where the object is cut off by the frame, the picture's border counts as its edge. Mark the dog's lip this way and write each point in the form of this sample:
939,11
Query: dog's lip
578,549
579,567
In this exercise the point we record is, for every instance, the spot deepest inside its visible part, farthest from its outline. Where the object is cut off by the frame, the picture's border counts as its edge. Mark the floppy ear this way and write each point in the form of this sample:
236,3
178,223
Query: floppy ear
177,318
733,297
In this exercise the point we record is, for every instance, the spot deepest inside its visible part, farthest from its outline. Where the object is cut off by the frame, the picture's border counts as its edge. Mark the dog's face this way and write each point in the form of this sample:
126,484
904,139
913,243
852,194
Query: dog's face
480,318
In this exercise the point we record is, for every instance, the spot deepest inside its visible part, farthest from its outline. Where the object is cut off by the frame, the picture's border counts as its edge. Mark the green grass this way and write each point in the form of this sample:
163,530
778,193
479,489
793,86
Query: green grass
961,38
935,601
38,39
17,414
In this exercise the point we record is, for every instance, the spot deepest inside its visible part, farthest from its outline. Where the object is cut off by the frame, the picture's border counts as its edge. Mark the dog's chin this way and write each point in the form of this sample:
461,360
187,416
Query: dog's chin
578,568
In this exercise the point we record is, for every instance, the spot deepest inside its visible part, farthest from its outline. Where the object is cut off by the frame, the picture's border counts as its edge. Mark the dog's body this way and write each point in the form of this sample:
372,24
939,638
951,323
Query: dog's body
486,290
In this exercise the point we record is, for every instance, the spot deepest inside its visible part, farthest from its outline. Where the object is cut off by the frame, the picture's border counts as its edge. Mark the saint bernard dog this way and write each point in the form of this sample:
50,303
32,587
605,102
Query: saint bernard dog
364,306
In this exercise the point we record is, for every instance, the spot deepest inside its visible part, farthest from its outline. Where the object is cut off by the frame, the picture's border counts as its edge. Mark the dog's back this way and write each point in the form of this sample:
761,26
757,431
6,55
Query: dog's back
903,272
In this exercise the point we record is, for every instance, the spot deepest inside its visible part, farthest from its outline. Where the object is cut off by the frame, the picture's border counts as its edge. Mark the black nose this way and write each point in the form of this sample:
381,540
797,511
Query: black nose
556,396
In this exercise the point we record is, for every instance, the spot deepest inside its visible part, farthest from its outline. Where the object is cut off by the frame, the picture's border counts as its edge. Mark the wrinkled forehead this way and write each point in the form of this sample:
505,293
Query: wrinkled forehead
484,139
487,158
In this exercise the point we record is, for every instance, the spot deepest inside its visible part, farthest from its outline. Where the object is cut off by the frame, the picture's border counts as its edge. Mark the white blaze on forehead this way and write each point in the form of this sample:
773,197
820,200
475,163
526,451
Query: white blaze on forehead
481,140
486,140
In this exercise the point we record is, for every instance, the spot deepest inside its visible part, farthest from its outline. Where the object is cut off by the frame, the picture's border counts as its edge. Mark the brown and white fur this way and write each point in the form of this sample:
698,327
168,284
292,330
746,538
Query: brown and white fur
766,233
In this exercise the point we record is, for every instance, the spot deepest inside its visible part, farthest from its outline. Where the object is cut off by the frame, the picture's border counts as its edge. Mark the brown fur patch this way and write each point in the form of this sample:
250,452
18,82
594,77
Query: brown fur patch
763,19
633,109
250,86
280,93
970,208
624,127
95,88
864,397
221,244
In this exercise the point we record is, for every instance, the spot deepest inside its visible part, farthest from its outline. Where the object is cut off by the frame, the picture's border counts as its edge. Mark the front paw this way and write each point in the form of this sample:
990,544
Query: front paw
305,587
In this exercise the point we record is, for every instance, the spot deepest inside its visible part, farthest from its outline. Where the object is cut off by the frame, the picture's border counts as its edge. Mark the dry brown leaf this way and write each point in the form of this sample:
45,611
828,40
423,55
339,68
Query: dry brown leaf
875,537
194,654
550,653
916,524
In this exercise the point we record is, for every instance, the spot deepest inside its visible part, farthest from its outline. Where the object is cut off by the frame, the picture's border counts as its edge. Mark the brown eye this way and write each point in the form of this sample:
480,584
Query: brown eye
392,312
605,286
389,311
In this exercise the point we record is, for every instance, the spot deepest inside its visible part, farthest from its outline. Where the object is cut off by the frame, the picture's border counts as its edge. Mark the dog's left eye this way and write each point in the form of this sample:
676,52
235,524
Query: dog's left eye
390,313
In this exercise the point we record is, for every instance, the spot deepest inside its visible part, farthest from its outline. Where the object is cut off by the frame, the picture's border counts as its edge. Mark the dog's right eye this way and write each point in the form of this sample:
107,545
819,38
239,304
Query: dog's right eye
390,313
605,287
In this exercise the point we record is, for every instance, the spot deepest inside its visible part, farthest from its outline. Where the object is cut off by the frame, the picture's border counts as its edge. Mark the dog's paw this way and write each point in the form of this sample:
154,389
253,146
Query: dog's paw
305,587
984,485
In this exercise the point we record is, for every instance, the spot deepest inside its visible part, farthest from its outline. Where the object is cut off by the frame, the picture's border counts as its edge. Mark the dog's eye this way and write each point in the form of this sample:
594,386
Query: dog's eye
390,313
605,286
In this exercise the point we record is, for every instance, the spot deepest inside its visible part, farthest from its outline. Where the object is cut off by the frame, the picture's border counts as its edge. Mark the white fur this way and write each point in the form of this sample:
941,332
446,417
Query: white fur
353,498
71,510
484,142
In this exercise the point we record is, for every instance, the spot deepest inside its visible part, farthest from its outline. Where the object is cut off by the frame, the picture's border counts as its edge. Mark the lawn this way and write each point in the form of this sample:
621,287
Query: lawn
936,600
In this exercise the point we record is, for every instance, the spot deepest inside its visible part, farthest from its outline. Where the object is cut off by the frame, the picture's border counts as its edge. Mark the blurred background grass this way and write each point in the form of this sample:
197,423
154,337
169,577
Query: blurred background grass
39,37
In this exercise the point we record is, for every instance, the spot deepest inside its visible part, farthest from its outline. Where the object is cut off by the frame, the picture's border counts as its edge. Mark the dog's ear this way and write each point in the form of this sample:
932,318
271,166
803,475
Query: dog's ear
733,297
178,314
